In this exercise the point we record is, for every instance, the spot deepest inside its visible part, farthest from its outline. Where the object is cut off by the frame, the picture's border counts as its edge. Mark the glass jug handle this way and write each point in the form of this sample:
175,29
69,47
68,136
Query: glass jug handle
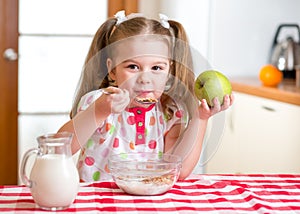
23,176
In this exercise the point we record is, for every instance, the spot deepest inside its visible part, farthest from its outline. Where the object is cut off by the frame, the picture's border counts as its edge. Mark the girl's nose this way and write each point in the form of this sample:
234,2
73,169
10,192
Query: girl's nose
144,77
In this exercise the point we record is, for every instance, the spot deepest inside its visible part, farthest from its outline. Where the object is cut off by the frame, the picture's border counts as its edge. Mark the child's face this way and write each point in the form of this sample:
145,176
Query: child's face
141,66
143,77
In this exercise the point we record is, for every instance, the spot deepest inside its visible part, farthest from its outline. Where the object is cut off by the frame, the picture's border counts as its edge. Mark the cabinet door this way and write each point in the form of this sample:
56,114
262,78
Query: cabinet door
225,158
261,136
267,135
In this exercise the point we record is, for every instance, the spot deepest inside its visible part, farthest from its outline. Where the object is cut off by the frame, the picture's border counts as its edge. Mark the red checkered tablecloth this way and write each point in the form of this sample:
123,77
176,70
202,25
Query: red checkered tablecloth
199,193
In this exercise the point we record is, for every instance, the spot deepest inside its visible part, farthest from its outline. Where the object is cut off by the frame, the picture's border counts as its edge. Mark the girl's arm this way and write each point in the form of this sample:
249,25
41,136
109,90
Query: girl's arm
190,146
194,135
84,124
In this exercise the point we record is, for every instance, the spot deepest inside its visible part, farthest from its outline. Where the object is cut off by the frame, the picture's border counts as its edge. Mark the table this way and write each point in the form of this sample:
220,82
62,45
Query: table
255,193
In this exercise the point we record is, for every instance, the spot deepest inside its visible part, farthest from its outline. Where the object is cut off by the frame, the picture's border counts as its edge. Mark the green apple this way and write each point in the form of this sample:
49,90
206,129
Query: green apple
210,84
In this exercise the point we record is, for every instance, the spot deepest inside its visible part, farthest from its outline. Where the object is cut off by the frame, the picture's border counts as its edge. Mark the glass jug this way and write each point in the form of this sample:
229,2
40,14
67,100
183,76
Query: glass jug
54,179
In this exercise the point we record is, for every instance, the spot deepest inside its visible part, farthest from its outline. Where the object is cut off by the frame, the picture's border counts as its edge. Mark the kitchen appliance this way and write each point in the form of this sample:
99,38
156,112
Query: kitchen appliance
285,54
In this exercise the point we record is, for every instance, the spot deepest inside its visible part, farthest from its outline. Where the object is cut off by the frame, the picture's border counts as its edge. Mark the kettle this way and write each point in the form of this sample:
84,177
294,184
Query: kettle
285,55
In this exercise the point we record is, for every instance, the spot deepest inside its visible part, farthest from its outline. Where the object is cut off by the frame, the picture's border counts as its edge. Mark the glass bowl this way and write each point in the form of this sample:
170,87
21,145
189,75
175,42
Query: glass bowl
144,173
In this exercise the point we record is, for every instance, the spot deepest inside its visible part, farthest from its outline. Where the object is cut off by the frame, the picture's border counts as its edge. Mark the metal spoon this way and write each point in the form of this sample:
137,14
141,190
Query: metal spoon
146,101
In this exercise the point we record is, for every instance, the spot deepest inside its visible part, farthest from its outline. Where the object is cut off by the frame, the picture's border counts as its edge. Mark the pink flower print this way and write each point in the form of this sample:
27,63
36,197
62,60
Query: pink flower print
131,120
152,144
179,113
123,131
159,132
89,100
105,152
80,163
161,119
116,143
89,161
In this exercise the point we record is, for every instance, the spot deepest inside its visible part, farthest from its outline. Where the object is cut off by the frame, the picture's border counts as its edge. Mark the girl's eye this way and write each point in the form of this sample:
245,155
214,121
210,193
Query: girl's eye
157,68
133,67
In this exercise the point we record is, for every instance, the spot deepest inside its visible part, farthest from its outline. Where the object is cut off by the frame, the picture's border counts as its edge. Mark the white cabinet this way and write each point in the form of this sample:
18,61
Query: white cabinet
261,136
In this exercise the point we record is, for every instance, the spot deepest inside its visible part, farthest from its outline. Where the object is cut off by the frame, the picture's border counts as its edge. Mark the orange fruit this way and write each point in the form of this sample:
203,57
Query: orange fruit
269,75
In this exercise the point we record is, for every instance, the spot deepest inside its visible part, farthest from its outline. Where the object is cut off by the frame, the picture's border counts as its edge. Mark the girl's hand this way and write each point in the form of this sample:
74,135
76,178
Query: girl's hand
114,102
205,112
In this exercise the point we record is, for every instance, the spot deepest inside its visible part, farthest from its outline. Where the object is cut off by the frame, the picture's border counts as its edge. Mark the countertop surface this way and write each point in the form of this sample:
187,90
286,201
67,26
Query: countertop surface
286,91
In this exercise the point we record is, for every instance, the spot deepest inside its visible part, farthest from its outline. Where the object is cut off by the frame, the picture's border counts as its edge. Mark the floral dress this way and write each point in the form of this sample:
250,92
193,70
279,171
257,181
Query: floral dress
134,130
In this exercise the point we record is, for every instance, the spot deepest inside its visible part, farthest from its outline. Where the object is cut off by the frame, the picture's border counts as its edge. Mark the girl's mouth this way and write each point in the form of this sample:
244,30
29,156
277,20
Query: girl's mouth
146,100
145,97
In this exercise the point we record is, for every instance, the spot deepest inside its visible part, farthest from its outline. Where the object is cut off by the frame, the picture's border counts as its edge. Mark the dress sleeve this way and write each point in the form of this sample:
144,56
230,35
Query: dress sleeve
87,99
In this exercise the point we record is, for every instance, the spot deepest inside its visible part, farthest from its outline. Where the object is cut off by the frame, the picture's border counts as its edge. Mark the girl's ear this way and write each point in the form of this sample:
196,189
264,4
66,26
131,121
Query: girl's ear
111,71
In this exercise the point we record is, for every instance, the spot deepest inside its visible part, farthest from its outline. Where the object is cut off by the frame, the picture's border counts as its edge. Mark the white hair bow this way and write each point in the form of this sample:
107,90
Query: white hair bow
120,17
164,21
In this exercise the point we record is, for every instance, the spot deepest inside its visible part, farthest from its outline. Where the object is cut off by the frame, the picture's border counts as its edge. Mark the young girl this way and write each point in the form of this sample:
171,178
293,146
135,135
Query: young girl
136,94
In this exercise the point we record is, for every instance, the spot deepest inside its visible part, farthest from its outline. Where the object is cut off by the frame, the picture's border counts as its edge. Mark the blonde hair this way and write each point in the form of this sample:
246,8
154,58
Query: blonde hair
95,73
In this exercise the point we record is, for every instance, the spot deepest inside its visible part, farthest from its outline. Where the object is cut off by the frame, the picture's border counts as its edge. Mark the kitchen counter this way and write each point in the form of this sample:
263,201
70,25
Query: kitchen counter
286,91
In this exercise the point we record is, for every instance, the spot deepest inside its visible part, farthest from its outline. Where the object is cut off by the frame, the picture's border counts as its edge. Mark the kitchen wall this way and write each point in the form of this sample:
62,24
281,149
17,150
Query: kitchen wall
235,36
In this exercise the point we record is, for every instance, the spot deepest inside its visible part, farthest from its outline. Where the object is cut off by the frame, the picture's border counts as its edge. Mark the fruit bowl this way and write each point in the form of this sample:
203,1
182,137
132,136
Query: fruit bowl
144,173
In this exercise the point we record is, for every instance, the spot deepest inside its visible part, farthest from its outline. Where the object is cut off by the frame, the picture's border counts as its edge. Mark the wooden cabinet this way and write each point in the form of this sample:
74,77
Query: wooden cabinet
260,136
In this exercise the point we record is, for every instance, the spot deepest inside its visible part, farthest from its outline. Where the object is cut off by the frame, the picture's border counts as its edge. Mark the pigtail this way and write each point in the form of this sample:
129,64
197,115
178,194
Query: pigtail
94,73
182,68
183,64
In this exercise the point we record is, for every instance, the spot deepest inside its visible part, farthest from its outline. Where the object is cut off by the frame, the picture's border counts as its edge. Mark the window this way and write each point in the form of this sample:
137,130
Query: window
54,39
